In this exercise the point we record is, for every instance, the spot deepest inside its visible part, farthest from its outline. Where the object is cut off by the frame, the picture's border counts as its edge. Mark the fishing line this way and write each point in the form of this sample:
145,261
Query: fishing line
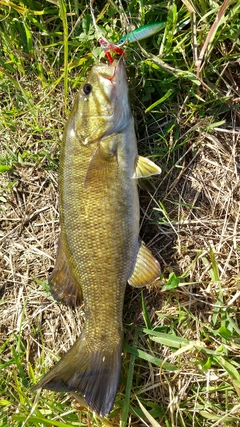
97,29
105,44
127,23
103,41
135,35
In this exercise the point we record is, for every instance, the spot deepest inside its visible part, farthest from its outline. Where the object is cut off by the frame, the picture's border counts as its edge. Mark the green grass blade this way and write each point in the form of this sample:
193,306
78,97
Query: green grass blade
166,339
160,101
145,312
42,421
126,403
231,370
146,356
152,421
63,16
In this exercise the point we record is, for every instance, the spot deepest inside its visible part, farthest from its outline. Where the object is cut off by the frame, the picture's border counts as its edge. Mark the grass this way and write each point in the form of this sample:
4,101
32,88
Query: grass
182,338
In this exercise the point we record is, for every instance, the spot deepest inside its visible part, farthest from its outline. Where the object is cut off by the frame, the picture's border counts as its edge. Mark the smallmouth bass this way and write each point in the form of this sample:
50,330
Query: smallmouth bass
99,249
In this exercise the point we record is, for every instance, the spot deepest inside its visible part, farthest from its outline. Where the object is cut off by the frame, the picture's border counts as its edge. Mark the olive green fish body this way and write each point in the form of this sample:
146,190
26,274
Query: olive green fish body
99,249
100,214
99,204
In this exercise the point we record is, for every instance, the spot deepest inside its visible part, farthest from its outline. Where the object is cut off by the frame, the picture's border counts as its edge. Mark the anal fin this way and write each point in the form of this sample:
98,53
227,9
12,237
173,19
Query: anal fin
146,270
64,286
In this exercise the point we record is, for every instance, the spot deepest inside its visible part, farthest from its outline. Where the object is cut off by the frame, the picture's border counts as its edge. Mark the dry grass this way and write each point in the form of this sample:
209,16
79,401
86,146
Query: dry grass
202,201
204,204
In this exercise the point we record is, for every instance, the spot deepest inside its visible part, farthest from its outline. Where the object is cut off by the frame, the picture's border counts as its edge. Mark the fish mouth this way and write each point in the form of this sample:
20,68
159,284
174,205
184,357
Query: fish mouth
113,80
116,89
111,73
111,76
115,107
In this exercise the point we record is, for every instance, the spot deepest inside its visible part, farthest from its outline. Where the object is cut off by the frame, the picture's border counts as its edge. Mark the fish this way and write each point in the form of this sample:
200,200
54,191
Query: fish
142,33
99,249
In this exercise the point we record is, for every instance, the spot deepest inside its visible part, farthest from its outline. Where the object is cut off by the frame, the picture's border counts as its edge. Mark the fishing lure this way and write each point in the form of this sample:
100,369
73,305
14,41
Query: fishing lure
133,36
141,33
108,46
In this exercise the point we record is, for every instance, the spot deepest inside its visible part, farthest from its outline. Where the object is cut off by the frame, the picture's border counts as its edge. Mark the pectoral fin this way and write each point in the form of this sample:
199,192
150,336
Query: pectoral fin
145,167
147,268
147,185
63,286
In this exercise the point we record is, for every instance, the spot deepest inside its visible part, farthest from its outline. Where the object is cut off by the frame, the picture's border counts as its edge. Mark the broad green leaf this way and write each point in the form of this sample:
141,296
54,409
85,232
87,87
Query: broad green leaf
173,282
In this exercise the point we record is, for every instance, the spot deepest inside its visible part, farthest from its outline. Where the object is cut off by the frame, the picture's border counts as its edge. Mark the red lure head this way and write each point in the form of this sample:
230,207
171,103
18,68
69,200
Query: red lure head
107,47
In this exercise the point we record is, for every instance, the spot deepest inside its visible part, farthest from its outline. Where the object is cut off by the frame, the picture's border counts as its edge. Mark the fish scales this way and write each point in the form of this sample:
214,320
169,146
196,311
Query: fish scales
99,249
101,226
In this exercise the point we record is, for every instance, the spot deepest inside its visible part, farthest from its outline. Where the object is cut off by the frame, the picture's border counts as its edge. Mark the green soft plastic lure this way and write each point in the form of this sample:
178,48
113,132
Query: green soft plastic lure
142,33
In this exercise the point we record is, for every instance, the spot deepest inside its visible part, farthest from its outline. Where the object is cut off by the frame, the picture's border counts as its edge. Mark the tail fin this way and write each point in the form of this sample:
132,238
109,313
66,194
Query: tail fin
95,373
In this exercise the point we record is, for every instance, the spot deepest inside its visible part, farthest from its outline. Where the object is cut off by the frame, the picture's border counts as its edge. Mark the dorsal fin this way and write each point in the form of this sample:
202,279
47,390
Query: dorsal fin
63,285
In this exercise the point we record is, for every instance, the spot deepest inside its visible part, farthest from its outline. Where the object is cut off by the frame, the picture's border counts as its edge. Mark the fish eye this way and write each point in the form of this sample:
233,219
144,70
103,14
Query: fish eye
87,89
